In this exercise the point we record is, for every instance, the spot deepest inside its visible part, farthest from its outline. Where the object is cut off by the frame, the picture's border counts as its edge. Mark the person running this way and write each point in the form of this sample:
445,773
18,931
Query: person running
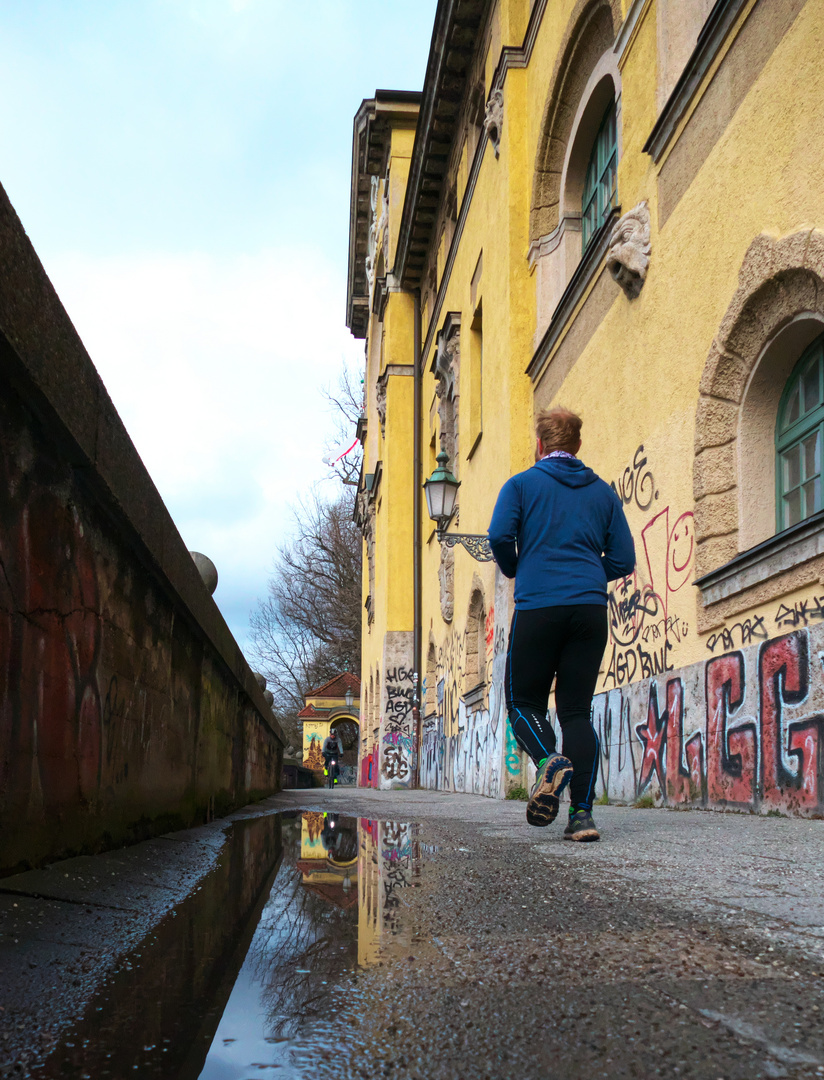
560,531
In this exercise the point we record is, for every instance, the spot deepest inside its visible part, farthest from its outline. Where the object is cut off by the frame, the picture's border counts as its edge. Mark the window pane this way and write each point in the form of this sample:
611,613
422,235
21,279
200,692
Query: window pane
600,180
812,391
792,467
792,410
792,508
603,199
812,455
590,180
609,183
812,497
588,223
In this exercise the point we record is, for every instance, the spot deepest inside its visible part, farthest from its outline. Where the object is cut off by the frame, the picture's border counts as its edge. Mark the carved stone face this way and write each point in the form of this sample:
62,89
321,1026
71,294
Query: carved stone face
629,251
630,280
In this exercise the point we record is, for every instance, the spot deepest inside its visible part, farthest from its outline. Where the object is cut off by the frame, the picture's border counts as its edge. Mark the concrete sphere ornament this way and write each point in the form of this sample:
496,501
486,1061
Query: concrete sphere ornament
207,570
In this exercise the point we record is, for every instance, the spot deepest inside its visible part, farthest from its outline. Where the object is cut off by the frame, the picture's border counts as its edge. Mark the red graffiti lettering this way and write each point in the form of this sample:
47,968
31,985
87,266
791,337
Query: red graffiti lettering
653,736
791,754
731,738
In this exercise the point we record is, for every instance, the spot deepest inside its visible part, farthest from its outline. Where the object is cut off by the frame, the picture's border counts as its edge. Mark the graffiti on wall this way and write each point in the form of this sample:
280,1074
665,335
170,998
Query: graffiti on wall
462,742
398,725
51,710
800,613
749,739
741,633
313,758
789,615
369,768
644,627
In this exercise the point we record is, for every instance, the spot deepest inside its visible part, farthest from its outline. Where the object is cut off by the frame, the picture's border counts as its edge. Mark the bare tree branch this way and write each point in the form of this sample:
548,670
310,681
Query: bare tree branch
308,628
346,405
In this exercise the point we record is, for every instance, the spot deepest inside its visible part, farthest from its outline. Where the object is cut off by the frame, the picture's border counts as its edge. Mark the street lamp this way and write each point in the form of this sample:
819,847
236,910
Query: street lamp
350,697
441,491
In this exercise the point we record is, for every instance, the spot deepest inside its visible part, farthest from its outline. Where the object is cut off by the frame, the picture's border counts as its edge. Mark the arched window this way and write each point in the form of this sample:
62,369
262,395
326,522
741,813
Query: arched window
431,703
475,663
599,182
798,440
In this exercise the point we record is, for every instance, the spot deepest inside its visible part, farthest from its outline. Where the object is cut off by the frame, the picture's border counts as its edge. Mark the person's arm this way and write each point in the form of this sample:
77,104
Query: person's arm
503,529
619,549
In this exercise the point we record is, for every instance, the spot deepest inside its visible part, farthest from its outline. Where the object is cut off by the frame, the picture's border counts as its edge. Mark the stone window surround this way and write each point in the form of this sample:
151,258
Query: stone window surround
475,660
776,311
430,705
476,697
604,83
781,553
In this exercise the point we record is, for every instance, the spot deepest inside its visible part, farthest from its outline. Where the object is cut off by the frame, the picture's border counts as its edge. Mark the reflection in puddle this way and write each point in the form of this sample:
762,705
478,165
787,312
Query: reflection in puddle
333,901
227,986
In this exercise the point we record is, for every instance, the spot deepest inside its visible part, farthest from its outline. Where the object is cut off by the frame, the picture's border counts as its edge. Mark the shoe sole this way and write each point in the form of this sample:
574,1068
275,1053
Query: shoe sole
542,808
584,836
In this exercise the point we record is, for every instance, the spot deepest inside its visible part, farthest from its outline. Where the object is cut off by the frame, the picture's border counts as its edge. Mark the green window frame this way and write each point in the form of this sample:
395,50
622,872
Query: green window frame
600,180
799,440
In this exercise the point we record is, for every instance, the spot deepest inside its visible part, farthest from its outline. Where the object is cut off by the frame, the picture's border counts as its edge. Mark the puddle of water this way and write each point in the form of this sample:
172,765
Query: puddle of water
230,983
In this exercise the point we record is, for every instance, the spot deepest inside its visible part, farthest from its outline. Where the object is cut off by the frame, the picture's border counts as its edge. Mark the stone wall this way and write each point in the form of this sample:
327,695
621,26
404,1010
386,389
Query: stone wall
126,706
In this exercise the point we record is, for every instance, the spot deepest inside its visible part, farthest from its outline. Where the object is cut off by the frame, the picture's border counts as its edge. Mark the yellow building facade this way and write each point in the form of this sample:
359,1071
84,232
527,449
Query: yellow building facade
617,206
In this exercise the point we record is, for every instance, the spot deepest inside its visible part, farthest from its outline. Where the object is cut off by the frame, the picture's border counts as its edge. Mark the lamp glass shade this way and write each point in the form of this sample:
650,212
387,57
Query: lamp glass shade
441,491
350,697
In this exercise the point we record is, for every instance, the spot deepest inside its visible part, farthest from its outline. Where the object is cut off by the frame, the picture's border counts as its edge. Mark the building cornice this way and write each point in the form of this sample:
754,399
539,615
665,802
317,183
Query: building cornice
512,57
450,57
373,124
714,33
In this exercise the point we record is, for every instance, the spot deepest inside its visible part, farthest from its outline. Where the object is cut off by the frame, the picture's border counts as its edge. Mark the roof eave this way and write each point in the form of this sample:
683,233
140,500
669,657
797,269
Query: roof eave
454,40
394,108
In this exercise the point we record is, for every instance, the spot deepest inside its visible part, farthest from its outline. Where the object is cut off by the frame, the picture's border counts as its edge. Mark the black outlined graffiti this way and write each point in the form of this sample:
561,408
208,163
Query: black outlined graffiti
636,484
800,613
397,748
739,634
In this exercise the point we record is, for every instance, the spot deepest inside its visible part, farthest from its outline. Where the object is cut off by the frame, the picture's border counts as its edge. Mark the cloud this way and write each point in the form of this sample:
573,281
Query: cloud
216,367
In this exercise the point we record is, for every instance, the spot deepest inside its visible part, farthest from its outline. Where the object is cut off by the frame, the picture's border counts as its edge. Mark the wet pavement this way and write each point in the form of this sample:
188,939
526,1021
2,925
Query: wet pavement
362,934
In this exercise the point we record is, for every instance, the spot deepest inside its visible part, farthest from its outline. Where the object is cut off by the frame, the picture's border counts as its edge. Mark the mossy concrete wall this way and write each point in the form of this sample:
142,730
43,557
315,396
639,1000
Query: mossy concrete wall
126,706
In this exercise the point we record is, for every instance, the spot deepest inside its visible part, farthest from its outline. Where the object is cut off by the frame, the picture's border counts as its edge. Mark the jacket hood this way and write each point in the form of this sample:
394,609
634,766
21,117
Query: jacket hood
568,471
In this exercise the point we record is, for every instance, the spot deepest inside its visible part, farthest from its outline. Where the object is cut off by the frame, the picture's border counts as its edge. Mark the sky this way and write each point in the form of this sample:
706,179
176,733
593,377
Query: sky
182,168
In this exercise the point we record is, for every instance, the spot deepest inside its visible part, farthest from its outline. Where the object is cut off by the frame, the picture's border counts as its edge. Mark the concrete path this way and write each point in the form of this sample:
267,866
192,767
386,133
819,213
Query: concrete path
684,944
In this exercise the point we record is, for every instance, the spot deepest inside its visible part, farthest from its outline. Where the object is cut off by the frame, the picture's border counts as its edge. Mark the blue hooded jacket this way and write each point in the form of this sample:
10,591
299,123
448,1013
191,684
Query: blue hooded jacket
560,531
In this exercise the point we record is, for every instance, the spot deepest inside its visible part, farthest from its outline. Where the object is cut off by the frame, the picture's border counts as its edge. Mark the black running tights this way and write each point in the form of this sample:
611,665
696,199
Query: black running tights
565,644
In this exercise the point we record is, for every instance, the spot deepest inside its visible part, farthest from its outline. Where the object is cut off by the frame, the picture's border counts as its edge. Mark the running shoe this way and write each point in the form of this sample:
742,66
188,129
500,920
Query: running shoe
581,827
554,774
